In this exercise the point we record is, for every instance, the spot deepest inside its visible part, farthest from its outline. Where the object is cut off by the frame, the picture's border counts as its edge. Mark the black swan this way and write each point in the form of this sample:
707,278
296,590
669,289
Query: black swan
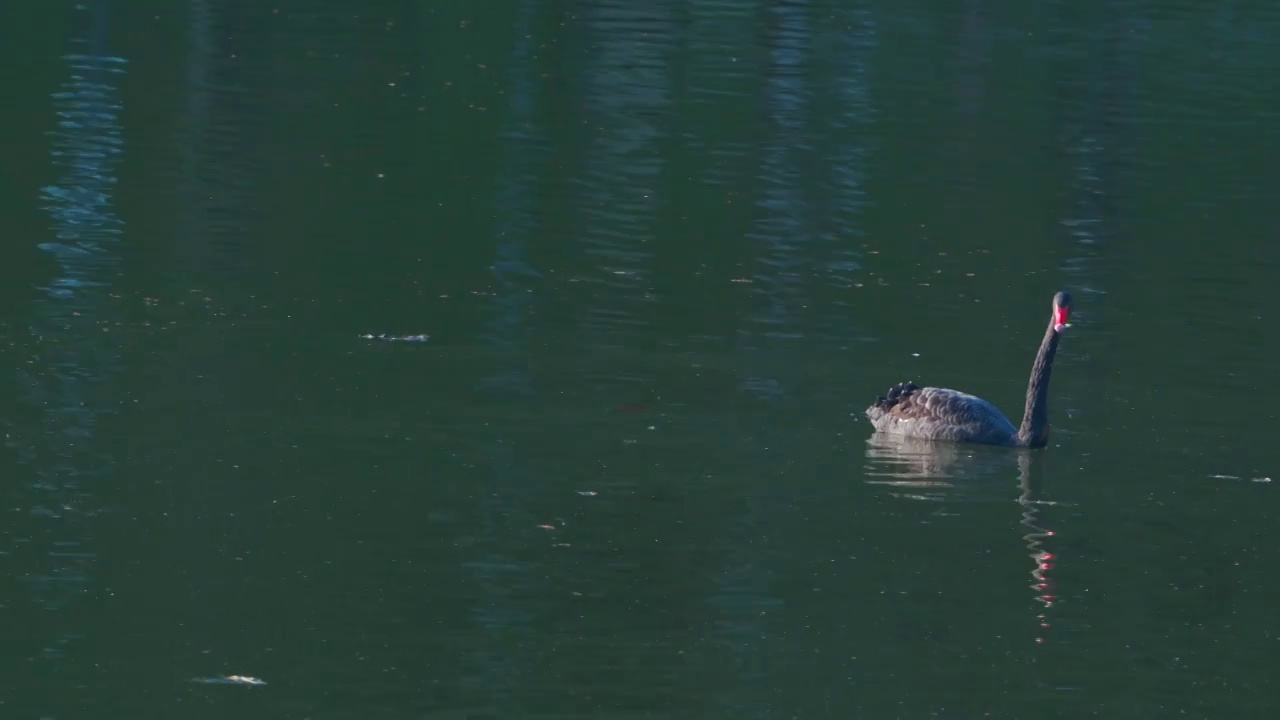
942,414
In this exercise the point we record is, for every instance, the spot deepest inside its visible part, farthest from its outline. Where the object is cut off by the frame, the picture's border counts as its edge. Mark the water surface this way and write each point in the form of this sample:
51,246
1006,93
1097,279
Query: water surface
664,256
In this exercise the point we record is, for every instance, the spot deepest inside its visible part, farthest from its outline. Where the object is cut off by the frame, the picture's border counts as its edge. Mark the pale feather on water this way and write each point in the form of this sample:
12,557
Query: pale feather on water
230,680
395,338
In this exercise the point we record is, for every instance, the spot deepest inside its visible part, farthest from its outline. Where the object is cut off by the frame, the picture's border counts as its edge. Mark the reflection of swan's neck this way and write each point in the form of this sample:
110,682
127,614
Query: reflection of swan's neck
1042,584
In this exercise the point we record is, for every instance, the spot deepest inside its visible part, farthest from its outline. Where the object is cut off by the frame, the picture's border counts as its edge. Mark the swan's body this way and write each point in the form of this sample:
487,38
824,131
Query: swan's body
942,414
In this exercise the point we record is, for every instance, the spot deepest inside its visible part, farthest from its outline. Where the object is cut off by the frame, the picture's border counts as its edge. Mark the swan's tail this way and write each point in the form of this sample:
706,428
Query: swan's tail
884,403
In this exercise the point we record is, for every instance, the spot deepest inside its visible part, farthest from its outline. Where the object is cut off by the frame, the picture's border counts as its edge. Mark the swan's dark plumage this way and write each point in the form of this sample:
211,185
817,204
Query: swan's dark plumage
940,414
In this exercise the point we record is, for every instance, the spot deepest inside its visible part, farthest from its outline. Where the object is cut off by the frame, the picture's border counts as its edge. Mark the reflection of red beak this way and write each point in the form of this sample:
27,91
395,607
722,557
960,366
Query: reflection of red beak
1060,315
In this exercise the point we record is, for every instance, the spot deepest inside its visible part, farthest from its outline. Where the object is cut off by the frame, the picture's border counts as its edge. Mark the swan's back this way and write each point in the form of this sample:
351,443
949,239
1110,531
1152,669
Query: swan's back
940,414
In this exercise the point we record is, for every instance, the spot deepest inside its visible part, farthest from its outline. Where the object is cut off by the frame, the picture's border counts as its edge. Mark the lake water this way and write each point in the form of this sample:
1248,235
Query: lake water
664,256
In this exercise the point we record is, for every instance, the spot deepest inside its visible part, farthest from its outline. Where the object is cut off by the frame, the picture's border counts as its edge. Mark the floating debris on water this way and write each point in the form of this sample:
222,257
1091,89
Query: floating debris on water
396,338
587,493
230,680
1220,476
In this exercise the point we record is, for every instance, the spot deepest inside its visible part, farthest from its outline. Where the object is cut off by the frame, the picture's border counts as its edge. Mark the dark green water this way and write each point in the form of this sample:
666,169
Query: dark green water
666,254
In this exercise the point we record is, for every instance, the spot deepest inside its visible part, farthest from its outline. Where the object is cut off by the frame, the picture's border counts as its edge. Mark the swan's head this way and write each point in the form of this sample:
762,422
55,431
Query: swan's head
1061,311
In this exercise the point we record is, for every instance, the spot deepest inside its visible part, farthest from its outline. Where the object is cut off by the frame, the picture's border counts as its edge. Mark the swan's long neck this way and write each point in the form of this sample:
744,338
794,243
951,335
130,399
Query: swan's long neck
1034,431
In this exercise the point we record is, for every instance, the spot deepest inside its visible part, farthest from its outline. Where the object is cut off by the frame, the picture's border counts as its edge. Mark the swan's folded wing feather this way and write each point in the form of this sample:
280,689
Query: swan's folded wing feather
940,413
941,404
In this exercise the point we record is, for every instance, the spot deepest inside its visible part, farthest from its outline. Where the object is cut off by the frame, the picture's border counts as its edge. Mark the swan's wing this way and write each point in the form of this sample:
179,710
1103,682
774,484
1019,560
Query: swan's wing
930,403
939,413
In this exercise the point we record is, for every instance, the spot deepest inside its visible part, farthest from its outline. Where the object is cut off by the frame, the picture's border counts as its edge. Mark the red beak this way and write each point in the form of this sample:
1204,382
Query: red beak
1060,315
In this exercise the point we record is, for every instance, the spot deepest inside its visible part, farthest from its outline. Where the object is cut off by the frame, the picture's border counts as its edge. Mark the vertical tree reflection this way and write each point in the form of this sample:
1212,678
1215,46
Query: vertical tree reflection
494,666
781,246
69,359
782,229
848,145
215,164
626,104
1096,92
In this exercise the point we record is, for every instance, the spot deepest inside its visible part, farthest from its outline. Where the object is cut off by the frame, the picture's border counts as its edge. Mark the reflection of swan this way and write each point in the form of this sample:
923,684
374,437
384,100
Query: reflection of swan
909,457
920,469
923,465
